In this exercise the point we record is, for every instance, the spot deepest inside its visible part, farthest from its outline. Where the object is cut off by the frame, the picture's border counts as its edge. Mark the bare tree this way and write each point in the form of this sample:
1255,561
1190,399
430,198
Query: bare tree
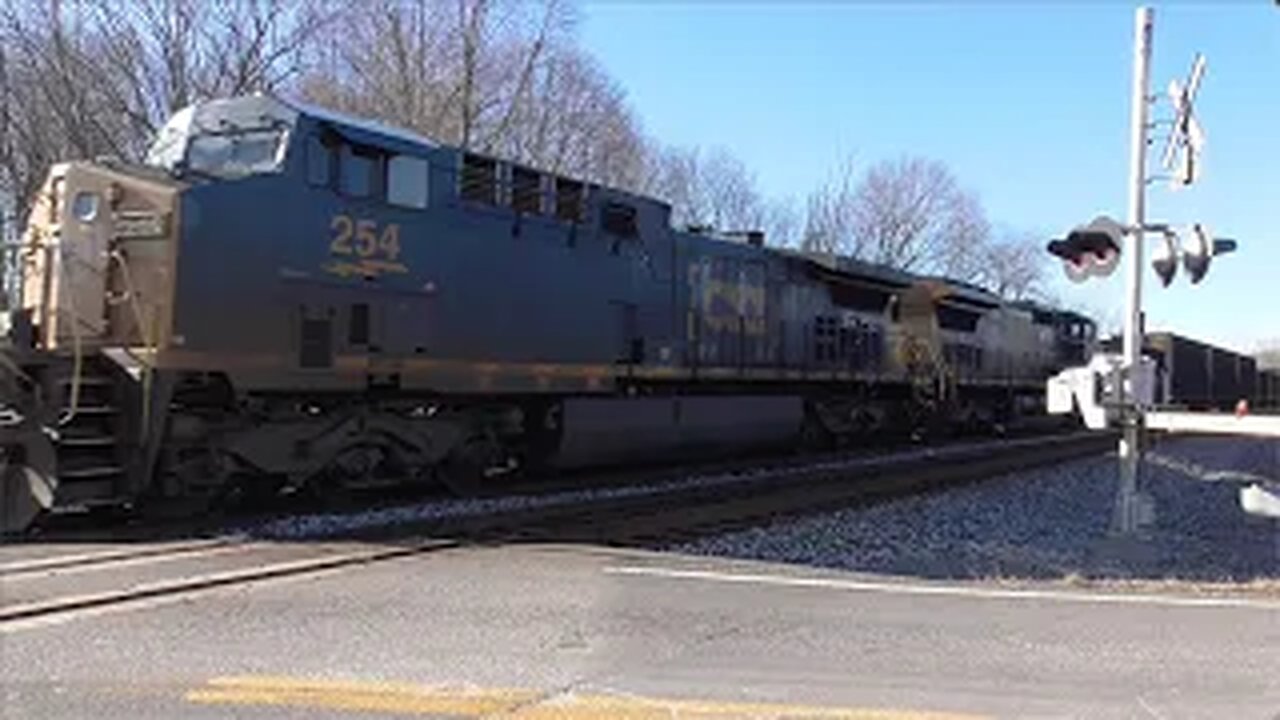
828,224
98,77
708,188
911,214
782,223
575,120
463,72
504,77
81,79
1013,267
1268,354
501,77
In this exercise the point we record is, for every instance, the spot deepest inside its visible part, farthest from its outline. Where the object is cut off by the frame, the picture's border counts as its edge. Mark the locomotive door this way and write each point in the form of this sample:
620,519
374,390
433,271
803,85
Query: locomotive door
342,330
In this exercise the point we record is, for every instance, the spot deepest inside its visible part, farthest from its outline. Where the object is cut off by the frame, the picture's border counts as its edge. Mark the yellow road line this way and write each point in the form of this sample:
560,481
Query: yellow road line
594,707
363,696
516,704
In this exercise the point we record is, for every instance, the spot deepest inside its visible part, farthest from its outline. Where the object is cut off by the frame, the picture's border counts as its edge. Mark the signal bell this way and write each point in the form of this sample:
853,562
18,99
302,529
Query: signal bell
1090,251
1164,259
1198,249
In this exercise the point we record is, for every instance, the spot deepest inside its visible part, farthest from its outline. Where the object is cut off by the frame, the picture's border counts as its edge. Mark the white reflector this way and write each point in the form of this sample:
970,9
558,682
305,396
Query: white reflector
1256,500
1105,263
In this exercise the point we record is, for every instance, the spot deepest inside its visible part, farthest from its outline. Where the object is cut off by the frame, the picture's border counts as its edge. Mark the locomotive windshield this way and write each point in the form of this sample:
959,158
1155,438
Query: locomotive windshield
236,153
224,139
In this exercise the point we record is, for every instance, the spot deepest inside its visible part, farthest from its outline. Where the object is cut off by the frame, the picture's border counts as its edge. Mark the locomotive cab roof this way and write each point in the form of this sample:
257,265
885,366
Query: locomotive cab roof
262,109
212,122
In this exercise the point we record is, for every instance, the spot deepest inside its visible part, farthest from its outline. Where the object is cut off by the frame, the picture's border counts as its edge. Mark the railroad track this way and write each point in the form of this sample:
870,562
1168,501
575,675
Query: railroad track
679,511
121,525
38,587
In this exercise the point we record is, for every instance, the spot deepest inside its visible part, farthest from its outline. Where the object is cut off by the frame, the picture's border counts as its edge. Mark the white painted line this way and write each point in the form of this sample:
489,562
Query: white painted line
186,586
123,552
125,560
43,621
893,588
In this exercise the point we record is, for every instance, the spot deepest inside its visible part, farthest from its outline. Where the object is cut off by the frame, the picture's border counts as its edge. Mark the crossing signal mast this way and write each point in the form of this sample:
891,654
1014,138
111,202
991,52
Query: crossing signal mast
1119,390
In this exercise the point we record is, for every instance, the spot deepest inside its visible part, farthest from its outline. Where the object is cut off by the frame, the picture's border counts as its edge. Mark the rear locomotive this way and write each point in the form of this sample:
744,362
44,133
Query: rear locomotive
283,298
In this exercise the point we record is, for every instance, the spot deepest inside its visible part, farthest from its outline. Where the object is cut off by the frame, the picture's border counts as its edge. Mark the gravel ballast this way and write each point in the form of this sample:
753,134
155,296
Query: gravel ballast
1050,523
329,524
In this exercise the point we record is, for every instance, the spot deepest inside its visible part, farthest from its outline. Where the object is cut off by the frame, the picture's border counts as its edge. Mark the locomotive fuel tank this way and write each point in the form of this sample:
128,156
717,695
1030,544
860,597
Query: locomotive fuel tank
598,431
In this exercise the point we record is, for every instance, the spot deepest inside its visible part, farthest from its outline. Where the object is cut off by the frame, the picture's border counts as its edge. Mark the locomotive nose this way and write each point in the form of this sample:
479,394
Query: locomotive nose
81,257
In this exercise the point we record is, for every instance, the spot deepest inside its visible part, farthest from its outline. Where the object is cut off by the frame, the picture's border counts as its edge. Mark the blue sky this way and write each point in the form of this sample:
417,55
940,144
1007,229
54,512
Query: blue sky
1027,103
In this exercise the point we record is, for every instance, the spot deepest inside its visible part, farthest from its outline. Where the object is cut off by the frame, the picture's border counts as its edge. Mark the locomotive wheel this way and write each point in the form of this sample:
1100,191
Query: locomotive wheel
346,474
465,470
27,482
814,436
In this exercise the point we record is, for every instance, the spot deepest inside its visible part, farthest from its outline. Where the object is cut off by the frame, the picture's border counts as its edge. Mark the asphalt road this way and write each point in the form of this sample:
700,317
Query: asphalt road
575,632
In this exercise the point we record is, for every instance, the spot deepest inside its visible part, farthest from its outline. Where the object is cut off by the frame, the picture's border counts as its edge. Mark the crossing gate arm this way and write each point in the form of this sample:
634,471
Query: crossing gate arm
1267,426
1257,498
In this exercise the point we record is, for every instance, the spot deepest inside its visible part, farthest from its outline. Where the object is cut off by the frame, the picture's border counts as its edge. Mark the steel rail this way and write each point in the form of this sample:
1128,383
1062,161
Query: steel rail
663,513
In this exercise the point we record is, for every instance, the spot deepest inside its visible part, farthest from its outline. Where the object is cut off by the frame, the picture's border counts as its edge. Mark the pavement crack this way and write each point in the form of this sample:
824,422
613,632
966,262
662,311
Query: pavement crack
1151,710
515,710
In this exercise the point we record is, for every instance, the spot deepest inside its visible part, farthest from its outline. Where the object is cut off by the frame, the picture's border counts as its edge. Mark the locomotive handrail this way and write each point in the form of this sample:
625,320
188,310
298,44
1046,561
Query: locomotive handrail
77,343
143,332
10,269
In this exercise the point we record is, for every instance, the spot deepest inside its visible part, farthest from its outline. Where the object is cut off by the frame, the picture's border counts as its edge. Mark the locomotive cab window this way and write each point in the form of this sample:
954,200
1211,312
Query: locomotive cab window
619,219
407,181
320,160
234,151
357,171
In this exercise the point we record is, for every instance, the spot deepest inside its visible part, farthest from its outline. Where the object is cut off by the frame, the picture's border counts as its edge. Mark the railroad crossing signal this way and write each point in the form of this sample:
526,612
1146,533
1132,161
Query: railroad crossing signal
1182,150
1197,248
1133,372
1091,250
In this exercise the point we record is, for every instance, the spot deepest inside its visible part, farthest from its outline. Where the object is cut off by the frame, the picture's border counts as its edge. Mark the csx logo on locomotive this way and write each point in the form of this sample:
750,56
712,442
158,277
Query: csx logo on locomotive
728,298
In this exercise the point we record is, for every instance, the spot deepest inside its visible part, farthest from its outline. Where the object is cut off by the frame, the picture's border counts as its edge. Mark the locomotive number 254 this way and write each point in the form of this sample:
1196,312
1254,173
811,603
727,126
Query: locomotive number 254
364,238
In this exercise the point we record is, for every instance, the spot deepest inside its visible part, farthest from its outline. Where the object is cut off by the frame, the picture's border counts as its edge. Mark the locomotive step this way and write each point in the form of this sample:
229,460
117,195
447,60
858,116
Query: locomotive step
88,492
96,394
87,380
86,441
86,427
89,473
95,410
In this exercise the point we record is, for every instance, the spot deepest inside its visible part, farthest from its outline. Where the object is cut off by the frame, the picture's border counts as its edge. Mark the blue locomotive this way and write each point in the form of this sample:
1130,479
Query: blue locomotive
284,297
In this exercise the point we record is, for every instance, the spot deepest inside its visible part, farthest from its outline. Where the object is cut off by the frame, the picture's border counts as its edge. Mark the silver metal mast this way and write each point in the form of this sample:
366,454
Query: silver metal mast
1130,450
